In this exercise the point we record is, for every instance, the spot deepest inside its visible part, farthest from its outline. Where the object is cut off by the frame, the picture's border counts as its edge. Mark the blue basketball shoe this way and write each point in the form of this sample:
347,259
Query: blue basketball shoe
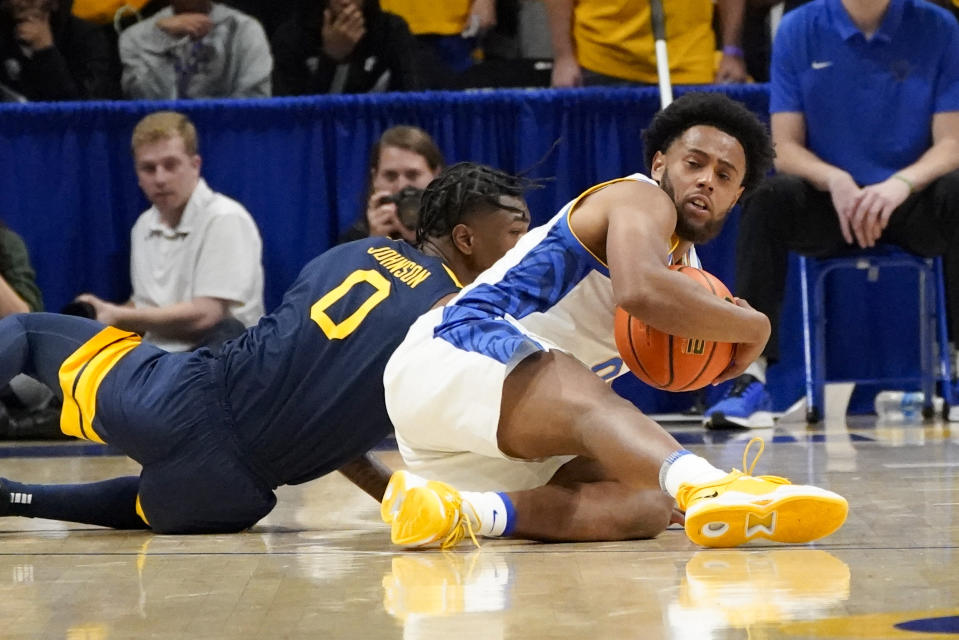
746,405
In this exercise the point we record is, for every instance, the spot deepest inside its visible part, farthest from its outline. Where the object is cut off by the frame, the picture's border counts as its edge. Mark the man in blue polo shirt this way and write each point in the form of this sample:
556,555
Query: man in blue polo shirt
864,109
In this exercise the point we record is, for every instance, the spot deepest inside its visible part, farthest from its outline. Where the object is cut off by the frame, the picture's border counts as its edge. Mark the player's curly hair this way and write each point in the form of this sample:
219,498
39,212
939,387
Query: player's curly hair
715,110
462,189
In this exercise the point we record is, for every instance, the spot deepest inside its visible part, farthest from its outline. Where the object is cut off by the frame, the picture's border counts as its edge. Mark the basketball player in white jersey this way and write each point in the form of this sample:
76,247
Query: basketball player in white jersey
500,392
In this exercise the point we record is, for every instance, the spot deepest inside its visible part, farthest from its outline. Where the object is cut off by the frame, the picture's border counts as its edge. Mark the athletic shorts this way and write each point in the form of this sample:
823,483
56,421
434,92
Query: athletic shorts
445,404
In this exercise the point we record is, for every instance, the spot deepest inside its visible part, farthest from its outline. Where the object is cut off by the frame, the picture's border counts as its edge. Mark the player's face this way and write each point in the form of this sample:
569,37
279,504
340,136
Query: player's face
167,173
497,232
400,168
702,171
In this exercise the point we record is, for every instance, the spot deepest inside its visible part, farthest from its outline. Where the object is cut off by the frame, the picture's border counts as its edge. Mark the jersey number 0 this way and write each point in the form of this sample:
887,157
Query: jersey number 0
340,330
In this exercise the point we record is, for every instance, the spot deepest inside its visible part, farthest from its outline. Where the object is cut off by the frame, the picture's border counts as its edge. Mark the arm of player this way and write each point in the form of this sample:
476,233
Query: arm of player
633,240
369,474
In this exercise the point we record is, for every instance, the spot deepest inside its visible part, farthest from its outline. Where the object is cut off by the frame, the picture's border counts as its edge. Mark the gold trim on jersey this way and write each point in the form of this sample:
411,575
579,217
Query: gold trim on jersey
140,512
673,241
452,276
81,375
575,203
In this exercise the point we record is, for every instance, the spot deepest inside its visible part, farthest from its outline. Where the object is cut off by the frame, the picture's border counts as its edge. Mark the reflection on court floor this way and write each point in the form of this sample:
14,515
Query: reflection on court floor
321,564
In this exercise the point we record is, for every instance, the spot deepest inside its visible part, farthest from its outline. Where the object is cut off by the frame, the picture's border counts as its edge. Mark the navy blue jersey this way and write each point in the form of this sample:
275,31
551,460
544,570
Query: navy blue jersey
304,388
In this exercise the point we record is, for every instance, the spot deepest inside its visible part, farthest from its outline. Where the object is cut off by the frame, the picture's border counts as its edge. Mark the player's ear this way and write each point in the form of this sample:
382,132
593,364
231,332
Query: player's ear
739,194
657,166
462,237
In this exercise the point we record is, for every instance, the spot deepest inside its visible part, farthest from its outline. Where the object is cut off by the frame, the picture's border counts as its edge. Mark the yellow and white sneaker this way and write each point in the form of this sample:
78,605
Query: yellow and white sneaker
432,513
400,482
741,507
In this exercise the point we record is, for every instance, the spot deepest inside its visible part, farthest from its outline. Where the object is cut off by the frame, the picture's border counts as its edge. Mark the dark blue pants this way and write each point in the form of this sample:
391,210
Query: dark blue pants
161,409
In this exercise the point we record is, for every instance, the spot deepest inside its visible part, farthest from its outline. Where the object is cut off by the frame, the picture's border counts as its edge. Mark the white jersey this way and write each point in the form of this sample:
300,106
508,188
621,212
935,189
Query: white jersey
552,291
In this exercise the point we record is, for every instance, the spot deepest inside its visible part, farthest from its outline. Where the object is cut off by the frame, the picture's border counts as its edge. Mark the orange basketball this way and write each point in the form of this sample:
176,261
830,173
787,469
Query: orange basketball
670,362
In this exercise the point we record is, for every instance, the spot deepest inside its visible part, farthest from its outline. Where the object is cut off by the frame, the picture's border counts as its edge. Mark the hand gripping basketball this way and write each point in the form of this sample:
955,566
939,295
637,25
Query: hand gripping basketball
669,362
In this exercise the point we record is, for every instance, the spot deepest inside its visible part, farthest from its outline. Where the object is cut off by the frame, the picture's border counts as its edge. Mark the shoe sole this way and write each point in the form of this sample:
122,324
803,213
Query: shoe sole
791,514
757,420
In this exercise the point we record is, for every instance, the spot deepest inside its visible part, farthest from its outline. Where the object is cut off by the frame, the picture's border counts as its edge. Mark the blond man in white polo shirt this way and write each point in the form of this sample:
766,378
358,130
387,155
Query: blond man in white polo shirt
195,256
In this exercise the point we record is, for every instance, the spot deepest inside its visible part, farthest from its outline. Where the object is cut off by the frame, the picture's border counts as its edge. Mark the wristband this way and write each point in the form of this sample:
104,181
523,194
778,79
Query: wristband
733,50
909,183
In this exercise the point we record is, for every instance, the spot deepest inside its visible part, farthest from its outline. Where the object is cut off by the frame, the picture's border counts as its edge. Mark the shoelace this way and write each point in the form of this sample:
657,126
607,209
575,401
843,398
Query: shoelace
762,447
463,526
688,492
749,472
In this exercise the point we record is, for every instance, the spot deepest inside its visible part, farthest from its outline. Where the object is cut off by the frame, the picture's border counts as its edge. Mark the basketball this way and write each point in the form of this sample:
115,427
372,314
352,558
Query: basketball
668,362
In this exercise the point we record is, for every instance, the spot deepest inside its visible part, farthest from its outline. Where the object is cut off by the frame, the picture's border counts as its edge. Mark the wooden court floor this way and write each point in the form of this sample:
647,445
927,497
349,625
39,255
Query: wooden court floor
321,565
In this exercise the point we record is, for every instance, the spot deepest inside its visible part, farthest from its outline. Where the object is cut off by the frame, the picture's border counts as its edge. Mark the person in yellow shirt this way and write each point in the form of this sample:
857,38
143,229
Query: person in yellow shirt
448,31
597,42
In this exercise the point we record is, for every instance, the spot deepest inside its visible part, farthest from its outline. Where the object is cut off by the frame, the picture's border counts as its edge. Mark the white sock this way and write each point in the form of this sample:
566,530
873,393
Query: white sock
492,510
757,369
683,467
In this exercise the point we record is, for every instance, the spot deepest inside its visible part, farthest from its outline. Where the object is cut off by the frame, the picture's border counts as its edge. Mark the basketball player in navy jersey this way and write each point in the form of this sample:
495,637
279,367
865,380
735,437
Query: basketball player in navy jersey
295,397
498,392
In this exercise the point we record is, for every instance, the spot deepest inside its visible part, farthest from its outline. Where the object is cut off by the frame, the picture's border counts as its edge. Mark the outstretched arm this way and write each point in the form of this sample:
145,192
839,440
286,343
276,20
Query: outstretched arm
369,474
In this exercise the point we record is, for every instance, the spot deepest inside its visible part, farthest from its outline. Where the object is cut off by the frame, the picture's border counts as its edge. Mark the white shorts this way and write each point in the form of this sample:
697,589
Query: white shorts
445,403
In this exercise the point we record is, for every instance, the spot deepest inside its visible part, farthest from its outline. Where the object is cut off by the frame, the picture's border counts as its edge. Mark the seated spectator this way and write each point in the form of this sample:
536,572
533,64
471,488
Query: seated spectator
24,403
850,177
18,287
195,255
516,51
448,33
47,54
195,49
270,13
404,156
344,46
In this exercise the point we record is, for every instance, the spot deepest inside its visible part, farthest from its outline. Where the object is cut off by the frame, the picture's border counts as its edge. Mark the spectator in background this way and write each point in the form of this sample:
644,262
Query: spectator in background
404,156
270,13
195,49
47,54
758,27
344,46
516,51
448,33
864,104
597,42
195,255
18,286
24,402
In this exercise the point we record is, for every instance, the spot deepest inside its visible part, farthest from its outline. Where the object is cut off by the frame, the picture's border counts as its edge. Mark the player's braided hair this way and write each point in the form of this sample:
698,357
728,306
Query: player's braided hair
715,110
462,189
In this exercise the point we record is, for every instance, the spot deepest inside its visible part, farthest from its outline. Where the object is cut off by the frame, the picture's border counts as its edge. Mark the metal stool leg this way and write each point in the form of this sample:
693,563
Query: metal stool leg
813,414
945,356
927,326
